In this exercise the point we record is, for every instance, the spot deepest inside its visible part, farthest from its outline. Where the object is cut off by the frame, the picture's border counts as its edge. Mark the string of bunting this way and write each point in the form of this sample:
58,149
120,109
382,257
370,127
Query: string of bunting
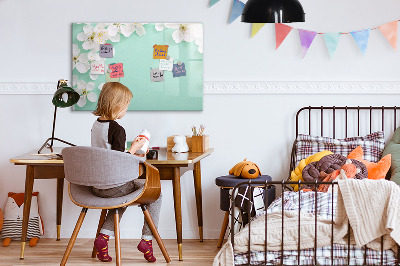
361,37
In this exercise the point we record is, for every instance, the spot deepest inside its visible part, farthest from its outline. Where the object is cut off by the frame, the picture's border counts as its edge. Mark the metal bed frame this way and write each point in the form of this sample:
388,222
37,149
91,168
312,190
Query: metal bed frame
283,184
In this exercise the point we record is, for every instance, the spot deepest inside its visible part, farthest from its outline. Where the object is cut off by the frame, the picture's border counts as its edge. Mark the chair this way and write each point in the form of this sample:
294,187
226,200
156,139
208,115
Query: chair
85,167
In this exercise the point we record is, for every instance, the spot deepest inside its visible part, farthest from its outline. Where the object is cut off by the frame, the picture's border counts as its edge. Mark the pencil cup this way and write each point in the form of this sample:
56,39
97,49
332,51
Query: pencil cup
200,143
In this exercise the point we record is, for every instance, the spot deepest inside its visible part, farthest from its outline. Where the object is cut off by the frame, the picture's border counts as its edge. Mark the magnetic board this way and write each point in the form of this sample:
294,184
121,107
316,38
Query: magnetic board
161,63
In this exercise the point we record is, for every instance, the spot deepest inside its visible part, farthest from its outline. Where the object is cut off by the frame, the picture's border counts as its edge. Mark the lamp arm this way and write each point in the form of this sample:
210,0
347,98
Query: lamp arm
54,126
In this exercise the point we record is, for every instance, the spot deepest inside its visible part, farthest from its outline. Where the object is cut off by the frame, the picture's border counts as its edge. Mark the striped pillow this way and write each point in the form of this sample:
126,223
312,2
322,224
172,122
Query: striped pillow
372,145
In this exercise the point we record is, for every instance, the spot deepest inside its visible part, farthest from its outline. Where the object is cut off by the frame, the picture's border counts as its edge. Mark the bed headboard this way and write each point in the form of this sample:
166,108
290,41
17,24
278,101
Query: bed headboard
344,121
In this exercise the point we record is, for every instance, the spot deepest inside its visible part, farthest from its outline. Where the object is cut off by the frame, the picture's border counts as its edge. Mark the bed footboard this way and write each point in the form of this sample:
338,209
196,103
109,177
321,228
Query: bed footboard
383,258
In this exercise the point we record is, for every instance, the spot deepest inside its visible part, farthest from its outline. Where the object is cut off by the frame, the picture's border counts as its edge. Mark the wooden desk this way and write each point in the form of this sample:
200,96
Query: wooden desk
169,165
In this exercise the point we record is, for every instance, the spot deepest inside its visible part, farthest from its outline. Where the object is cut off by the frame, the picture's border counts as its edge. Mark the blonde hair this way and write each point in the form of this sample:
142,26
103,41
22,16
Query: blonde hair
113,97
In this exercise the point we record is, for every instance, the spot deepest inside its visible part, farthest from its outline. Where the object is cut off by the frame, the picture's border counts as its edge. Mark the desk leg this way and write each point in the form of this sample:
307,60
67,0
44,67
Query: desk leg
199,204
60,190
176,182
27,206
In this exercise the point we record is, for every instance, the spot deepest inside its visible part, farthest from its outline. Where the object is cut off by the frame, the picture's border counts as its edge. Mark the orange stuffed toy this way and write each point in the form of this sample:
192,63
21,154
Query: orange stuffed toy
375,170
245,169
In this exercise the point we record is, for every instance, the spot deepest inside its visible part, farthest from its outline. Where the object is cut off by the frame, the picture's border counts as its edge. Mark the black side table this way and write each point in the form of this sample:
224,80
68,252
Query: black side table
226,183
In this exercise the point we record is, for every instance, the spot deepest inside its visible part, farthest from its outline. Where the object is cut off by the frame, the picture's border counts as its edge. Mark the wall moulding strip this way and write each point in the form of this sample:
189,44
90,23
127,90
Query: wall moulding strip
247,87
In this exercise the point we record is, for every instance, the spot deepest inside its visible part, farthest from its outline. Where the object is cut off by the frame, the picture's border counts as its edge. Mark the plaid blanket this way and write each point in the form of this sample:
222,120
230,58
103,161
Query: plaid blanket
323,205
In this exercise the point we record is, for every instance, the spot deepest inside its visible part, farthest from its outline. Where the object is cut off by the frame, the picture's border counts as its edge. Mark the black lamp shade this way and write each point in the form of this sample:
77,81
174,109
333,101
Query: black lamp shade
273,11
65,96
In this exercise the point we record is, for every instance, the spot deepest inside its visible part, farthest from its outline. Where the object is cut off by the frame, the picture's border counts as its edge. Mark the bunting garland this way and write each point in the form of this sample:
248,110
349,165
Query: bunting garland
256,27
389,30
213,2
237,9
332,41
281,31
361,37
306,39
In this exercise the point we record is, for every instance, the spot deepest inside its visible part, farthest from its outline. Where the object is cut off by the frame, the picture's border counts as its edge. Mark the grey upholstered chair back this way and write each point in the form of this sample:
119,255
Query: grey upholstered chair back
91,166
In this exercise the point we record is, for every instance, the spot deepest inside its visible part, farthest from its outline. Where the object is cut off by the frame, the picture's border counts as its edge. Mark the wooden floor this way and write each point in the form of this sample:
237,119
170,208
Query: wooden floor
50,252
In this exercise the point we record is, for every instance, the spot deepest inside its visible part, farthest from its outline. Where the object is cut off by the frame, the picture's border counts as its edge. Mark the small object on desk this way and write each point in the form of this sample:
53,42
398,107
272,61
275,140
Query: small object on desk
180,144
144,134
171,143
200,143
152,155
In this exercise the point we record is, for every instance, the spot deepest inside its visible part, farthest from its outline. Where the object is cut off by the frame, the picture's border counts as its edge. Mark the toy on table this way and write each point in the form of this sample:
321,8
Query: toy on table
144,134
13,215
180,144
245,169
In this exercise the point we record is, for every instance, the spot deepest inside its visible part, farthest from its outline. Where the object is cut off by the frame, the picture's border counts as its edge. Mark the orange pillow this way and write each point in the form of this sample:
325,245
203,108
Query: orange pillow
375,170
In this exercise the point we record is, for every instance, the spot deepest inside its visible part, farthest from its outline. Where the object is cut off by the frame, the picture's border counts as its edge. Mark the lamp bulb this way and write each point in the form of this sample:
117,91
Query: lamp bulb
64,96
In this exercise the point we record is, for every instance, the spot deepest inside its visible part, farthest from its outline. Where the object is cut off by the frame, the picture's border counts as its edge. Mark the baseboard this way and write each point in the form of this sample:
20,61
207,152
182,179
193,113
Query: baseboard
247,87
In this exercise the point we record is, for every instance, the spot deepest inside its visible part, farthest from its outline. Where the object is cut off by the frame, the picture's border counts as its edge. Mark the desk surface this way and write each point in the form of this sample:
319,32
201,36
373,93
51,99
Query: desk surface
164,157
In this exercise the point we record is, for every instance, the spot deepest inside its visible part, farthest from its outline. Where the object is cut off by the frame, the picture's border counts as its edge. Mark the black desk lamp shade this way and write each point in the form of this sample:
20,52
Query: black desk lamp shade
63,97
273,11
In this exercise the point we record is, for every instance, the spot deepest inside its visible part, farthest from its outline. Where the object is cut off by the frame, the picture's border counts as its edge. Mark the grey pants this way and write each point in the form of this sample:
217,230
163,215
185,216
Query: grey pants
154,208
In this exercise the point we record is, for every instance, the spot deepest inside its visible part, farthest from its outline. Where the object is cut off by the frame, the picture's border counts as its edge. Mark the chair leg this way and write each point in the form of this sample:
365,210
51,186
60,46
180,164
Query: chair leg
154,230
117,239
223,229
73,237
101,222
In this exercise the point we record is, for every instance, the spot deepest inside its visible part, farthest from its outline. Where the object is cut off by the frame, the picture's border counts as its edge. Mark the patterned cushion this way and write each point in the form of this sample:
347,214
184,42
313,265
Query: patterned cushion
372,144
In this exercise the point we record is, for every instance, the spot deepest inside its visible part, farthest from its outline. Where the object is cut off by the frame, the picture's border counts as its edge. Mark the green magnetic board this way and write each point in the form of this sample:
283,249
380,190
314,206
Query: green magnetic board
132,45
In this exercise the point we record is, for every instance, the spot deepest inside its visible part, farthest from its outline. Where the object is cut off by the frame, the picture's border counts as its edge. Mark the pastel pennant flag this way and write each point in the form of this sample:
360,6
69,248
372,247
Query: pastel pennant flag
237,9
256,27
389,30
213,2
281,31
332,41
306,39
361,37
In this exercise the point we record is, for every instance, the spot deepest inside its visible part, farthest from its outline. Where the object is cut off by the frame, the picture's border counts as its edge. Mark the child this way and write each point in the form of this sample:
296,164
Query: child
113,103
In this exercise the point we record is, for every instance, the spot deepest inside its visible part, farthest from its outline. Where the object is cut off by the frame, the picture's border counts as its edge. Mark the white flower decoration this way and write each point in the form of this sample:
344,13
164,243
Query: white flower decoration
93,36
85,91
160,26
100,87
79,61
185,32
114,31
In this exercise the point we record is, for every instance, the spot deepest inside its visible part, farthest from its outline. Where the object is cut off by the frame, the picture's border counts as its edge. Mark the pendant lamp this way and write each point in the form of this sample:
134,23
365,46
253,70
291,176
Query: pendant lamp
273,11
63,97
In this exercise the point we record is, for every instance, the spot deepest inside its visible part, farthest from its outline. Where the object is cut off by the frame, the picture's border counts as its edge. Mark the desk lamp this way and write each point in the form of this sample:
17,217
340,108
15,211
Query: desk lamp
63,97
273,11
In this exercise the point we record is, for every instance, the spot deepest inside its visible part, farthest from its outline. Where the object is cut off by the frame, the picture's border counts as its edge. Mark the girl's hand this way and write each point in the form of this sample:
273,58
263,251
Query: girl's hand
137,144
142,155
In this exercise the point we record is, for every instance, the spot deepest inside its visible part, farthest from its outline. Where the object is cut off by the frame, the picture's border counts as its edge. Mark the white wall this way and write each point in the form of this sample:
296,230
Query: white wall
35,44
